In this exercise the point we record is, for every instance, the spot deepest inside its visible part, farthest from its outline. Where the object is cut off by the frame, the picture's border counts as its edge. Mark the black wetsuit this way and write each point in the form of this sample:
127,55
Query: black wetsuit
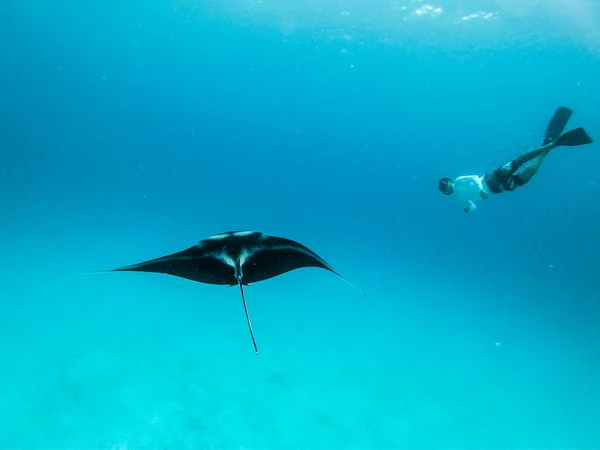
506,178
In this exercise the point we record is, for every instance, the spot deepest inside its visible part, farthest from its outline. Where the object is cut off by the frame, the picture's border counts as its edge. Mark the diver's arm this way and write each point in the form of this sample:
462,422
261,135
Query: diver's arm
469,206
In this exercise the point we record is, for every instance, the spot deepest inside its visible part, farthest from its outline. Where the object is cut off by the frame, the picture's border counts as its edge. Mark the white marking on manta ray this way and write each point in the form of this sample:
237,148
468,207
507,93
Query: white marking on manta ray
244,233
245,255
225,259
217,237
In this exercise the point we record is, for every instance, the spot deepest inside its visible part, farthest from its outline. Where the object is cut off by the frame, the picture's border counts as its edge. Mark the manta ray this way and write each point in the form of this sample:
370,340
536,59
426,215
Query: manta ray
235,258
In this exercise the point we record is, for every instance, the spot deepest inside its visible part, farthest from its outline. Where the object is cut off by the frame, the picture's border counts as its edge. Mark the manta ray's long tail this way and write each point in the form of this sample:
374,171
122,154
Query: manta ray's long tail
248,319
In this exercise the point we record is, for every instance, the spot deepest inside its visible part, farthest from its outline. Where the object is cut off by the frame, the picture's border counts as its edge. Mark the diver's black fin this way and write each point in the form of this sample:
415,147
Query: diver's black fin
573,138
248,319
557,124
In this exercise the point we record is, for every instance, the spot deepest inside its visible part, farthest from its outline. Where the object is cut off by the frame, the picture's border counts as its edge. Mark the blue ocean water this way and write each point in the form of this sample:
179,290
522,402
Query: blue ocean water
133,129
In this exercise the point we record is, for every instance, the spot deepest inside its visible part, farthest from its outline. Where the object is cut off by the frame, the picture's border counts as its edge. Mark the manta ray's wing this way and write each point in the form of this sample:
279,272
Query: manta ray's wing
276,256
193,264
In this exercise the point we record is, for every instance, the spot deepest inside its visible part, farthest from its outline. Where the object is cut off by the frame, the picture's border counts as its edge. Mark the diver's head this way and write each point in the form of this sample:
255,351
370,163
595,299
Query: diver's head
446,185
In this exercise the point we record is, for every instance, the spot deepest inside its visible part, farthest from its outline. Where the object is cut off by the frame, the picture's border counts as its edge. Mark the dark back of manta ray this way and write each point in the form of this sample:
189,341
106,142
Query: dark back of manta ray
268,264
273,256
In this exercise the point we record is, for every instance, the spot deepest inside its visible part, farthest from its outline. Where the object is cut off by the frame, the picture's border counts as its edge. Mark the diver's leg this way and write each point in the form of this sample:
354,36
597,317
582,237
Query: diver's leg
530,170
508,177
517,163
499,180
